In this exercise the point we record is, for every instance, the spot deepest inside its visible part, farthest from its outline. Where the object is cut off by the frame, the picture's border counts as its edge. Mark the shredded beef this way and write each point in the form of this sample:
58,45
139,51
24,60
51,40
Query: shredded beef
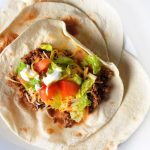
101,89
62,118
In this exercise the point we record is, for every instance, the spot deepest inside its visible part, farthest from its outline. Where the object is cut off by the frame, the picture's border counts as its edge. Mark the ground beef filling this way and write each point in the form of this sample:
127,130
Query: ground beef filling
97,94
62,118
101,89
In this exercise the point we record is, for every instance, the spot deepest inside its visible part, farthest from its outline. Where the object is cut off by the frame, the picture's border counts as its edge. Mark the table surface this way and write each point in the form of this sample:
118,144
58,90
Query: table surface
135,18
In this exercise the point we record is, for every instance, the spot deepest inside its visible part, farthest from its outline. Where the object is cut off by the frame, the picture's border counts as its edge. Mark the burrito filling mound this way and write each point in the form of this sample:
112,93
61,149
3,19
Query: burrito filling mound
69,85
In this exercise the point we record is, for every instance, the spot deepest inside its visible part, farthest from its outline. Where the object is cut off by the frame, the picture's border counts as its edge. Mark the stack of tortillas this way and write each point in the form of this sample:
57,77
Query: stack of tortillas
97,26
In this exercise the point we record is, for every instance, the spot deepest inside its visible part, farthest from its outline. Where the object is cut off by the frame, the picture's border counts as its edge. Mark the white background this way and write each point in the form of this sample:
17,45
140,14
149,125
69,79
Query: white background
135,16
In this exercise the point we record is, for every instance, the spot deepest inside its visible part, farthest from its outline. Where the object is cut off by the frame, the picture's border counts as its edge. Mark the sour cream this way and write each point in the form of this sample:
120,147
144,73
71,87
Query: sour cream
52,77
26,74
37,87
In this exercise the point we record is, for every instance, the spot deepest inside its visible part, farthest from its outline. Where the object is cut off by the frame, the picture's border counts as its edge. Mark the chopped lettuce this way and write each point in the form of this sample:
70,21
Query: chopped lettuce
79,106
64,60
52,67
87,84
68,70
20,67
82,101
47,47
31,84
94,61
76,78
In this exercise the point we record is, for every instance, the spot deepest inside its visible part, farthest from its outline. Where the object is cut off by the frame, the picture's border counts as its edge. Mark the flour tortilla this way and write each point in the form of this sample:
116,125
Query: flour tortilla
124,123
38,124
106,22
103,140
132,111
10,12
83,26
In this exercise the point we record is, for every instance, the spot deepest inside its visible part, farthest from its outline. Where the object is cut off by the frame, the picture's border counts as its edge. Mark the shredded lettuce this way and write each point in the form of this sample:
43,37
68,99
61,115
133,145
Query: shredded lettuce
94,61
87,84
52,67
47,47
78,107
31,84
20,67
63,60
82,100
76,78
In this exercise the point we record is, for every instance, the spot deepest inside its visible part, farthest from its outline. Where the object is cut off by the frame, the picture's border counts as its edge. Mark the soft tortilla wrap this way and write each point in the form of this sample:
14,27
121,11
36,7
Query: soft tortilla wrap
38,124
105,19
133,72
78,24
126,120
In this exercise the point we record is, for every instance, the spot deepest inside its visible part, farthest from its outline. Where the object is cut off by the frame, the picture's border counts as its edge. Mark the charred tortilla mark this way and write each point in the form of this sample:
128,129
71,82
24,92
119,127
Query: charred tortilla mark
6,39
72,24
31,15
24,129
50,131
36,1
109,146
78,134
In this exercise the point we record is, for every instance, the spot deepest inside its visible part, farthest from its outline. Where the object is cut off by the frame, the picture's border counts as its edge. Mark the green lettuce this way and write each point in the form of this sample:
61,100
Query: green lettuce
82,101
64,60
52,67
94,61
31,84
87,84
76,78
78,107
47,47
20,67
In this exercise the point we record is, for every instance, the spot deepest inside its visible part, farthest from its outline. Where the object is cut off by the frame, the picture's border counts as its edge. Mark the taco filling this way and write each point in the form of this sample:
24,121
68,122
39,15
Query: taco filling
69,85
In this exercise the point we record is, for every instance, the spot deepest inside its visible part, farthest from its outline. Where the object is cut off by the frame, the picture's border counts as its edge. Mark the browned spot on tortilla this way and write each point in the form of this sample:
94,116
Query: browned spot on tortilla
106,148
6,39
109,146
50,131
134,118
40,1
24,129
79,55
72,24
78,134
30,15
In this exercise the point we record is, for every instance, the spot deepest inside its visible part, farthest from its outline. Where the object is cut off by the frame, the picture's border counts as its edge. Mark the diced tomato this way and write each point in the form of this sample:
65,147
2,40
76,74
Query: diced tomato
52,91
68,88
42,65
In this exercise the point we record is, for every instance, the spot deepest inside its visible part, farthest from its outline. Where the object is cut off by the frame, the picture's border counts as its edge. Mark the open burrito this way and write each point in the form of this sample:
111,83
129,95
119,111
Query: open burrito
61,86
